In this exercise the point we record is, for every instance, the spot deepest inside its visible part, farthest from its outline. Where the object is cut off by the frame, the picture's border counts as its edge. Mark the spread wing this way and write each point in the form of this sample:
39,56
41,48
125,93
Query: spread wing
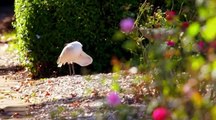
83,59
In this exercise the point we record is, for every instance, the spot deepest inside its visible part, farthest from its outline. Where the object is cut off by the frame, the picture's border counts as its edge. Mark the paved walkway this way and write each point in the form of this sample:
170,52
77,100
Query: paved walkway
11,105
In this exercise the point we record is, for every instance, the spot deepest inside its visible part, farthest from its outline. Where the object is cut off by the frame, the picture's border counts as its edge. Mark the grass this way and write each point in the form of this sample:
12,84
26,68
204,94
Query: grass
6,37
10,38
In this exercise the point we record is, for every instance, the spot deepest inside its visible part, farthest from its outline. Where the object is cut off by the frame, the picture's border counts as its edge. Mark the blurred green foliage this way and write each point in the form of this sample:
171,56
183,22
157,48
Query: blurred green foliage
45,26
183,72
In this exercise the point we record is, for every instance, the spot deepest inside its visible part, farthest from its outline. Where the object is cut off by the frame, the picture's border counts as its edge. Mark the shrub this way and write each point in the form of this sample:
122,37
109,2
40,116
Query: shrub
44,26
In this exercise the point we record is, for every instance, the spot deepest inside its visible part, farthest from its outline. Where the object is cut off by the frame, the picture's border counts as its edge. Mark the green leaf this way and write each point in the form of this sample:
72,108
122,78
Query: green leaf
209,31
197,62
60,109
193,29
118,36
203,13
129,45
214,65
213,113
115,86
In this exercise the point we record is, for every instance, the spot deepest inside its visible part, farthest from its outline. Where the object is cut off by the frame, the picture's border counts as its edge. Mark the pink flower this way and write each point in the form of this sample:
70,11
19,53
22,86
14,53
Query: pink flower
170,15
113,99
127,25
200,45
170,43
160,113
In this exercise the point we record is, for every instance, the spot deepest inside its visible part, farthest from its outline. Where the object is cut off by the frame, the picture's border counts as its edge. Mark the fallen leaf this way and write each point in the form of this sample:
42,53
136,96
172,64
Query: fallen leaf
47,94
75,104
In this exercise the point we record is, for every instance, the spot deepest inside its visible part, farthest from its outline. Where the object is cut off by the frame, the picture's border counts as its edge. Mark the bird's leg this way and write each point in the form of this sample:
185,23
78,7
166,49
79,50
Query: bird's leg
73,69
69,65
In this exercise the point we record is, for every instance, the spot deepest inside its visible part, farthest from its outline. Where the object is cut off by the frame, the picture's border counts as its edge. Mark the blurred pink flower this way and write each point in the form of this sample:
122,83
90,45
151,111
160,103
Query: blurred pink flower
160,113
127,25
188,88
170,43
170,15
113,99
201,45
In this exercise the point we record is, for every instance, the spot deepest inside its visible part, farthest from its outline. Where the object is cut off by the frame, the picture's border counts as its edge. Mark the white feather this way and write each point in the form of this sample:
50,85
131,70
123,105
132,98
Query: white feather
73,53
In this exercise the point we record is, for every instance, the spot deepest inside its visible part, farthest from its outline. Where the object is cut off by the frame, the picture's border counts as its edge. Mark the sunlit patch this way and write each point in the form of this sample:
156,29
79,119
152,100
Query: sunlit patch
133,70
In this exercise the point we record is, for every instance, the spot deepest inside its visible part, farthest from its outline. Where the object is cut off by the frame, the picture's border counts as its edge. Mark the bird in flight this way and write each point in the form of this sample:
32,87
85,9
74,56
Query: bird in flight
73,53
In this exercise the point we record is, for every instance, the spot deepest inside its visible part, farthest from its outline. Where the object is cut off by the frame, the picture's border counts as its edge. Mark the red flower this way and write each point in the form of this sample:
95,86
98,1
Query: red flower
184,25
170,15
160,113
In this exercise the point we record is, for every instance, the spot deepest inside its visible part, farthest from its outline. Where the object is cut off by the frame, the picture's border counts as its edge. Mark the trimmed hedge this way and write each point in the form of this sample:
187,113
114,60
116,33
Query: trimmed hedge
44,26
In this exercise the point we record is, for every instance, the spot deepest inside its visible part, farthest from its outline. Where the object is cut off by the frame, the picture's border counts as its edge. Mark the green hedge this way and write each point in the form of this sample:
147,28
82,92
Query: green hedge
44,26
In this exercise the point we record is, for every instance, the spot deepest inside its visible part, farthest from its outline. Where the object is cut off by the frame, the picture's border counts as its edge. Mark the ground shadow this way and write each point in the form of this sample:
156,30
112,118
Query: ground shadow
5,70
26,111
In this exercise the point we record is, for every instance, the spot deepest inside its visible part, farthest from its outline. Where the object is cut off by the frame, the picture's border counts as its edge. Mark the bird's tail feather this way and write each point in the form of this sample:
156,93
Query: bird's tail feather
59,65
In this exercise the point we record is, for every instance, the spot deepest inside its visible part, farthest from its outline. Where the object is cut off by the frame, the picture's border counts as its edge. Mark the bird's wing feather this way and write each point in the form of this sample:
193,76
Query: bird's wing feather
83,59
64,56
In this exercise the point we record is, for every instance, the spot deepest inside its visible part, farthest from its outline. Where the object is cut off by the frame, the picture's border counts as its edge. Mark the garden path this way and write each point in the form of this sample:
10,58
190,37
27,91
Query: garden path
10,103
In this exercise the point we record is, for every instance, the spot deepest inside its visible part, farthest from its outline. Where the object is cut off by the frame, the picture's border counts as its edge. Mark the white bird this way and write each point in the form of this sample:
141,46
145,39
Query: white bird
73,53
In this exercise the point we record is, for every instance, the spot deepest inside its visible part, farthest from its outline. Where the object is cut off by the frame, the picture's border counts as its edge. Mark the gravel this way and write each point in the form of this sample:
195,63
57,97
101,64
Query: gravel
78,96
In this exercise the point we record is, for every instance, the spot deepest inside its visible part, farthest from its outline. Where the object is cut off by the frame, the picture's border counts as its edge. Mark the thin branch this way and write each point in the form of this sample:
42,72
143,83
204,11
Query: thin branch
141,13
